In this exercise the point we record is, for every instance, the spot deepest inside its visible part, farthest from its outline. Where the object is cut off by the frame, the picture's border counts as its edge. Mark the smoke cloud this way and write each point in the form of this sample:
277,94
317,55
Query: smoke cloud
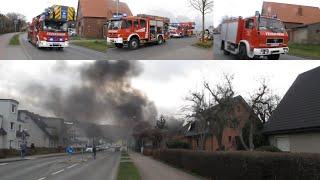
104,94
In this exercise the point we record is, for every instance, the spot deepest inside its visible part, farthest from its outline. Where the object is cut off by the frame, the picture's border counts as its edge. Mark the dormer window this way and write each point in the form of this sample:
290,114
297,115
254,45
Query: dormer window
13,108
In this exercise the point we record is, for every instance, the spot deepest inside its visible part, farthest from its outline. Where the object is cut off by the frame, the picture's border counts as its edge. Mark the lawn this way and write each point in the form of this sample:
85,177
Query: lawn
305,50
14,41
127,169
206,44
97,45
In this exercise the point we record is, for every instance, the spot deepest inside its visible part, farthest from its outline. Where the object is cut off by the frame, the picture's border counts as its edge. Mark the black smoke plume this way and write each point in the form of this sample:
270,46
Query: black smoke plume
104,94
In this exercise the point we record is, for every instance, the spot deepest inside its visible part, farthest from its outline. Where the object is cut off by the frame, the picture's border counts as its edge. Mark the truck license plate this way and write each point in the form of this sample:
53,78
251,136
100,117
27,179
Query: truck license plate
275,44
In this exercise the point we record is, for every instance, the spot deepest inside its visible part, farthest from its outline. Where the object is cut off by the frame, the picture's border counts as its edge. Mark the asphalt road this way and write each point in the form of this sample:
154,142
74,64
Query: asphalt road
218,54
53,168
173,49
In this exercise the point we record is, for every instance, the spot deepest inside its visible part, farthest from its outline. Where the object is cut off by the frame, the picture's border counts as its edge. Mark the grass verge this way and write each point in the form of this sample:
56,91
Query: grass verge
127,170
205,45
305,50
97,45
14,41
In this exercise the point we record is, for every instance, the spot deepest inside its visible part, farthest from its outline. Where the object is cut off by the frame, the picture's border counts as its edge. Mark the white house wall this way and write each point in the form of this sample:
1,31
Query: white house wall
8,116
300,142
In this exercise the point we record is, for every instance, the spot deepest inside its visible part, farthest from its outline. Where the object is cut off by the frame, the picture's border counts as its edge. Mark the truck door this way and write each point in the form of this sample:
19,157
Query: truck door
248,30
142,29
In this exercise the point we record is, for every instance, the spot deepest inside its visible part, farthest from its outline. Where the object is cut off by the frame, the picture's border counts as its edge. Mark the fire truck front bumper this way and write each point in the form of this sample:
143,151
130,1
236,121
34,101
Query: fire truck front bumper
115,40
53,44
270,51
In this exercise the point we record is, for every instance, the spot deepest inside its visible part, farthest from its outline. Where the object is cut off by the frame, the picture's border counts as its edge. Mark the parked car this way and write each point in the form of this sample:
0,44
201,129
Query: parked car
89,149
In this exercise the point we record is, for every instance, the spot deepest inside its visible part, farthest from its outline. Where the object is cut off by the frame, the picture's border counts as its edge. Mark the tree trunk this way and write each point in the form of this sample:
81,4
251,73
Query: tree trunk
251,145
203,24
242,141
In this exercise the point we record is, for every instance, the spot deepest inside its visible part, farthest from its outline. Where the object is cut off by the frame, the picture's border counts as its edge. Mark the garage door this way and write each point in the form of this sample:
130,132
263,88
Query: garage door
283,143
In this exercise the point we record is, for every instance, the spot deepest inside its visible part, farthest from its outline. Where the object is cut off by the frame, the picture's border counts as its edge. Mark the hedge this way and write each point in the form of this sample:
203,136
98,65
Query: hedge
244,165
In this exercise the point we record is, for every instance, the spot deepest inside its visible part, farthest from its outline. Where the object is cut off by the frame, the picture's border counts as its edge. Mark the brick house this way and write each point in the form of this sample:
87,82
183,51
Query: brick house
93,14
230,134
292,15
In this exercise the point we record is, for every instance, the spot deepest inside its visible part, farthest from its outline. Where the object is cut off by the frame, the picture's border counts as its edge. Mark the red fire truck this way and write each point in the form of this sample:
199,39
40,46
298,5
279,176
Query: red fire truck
133,31
254,37
50,29
182,29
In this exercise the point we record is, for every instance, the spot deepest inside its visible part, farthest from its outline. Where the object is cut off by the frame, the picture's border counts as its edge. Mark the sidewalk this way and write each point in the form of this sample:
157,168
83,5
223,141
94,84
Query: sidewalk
156,170
6,160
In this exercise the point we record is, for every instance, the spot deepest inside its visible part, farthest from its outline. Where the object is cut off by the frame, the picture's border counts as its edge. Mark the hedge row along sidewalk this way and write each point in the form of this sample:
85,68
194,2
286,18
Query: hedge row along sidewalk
244,165
127,169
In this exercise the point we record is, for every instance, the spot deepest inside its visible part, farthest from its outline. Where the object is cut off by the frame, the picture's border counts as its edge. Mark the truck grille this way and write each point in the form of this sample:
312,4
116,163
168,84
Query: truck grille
272,41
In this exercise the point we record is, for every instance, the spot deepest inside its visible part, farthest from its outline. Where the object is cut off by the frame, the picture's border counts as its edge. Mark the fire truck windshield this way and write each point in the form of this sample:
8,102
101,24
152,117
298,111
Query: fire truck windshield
55,26
114,25
268,24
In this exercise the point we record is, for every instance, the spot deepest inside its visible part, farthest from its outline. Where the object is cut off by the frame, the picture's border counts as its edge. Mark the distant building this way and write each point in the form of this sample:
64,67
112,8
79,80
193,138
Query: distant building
295,124
290,14
305,34
93,14
230,134
40,134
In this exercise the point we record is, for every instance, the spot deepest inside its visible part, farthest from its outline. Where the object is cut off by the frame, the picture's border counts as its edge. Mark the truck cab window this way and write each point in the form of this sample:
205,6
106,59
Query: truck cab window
249,24
136,24
142,23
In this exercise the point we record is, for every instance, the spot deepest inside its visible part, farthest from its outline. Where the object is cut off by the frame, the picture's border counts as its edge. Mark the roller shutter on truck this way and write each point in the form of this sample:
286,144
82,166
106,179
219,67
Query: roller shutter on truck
229,31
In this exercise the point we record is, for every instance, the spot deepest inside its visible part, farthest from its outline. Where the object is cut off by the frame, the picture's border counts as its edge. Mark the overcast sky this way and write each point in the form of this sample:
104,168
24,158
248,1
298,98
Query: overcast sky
180,9
249,7
166,83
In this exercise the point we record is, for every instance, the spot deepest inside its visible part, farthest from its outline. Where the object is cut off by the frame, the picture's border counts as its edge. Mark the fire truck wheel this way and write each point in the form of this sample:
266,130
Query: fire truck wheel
274,57
160,40
243,52
133,43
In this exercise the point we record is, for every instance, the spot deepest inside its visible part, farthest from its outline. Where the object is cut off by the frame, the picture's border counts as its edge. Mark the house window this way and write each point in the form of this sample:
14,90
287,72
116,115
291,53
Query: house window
13,108
12,125
238,108
20,127
11,144
230,138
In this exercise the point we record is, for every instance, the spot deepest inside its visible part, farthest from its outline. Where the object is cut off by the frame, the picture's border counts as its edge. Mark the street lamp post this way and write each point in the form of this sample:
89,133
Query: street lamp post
117,7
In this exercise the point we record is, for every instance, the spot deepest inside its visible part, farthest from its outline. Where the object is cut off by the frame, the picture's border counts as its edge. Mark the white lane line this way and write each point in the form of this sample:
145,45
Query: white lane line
42,178
72,166
2,164
57,172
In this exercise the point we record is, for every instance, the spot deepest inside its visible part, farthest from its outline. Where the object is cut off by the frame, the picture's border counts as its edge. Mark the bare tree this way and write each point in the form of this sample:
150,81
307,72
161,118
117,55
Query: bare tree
198,110
205,7
262,103
221,107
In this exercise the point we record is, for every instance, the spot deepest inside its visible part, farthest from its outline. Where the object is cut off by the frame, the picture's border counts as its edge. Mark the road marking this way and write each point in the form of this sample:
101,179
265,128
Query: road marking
2,164
42,178
57,172
72,166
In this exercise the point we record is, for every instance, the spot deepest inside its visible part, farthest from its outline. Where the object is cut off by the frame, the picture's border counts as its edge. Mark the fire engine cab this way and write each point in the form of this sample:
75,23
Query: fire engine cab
50,29
253,37
182,29
133,31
